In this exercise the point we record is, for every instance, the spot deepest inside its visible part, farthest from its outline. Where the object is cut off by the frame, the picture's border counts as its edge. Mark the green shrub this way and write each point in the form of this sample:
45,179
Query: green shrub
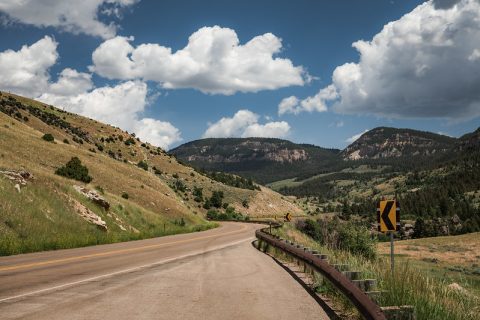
198,194
179,186
348,236
48,137
74,170
142,164
207,205
216,199
181,223
129,141
125,195
212,214
66,141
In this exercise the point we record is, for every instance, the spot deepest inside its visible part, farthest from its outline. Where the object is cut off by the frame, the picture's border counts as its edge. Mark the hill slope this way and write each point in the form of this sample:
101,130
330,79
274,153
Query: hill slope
263,159
384,142
42,210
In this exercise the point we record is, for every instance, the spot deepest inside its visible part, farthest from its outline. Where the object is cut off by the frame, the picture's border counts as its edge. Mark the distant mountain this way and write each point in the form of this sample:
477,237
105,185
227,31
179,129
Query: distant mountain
268,160
384,142
470,141
263,159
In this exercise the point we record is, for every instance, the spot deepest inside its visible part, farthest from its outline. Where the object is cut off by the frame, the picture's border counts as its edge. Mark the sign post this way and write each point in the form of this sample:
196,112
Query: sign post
388,218
392,256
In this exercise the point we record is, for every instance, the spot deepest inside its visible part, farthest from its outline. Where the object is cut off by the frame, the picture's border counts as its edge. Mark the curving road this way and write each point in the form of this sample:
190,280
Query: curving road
215,274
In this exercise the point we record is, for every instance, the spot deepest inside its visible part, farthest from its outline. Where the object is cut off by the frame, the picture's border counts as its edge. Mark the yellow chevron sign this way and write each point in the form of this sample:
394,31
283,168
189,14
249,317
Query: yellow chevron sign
388,215
288,217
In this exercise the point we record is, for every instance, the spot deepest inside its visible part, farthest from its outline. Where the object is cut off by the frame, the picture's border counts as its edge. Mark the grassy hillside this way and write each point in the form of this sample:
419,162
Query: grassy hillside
149,192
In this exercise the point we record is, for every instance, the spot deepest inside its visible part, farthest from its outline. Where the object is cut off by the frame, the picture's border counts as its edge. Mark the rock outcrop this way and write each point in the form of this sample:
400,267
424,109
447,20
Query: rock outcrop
93,196
89,215
18,177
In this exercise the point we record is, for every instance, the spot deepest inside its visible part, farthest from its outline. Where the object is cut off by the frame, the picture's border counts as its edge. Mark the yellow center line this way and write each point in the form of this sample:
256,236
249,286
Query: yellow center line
109,253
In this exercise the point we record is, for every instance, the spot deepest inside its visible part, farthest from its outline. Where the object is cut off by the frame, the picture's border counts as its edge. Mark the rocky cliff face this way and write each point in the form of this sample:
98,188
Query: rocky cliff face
263,159
253,150
394,143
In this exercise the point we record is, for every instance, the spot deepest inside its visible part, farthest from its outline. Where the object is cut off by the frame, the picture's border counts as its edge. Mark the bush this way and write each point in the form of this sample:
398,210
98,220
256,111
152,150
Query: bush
66,141
229,214
348,236
142,164
74,170
216,199
179,186
181,223
125,195
207,205
198,194
212,214
48,137
129,141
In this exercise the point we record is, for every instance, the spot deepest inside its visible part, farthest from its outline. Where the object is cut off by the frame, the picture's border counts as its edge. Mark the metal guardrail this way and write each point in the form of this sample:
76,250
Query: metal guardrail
366,306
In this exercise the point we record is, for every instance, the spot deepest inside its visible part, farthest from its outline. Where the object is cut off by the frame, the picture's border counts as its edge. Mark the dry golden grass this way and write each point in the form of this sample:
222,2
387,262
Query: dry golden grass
459,250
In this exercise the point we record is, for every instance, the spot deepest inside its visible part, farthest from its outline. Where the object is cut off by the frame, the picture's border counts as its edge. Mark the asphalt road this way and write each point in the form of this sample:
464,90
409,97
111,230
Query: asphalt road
215,274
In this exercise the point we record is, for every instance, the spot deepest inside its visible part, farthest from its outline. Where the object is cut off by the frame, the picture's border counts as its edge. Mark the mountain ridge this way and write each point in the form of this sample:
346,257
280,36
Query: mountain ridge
268,160
247,156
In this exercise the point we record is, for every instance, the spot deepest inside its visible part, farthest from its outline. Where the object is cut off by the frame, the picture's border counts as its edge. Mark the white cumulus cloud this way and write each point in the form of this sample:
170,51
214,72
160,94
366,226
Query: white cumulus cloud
356,136
159,133
75,16
119,105
422,65
213,61
26,71
426,64
245,124
314,103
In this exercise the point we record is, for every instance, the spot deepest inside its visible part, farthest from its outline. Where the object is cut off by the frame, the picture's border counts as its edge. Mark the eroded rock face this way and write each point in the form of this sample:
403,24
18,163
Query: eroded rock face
89,215
93,196
18,177
248,150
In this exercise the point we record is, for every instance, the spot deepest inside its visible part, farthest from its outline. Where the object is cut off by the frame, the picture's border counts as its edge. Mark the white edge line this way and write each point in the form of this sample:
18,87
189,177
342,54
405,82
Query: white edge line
108,275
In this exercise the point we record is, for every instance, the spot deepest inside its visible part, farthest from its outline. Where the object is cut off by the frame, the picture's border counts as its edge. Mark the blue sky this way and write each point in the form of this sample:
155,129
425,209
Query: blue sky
110,61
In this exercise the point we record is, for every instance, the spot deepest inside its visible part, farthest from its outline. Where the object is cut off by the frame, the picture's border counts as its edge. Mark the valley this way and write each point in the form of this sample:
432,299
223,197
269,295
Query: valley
148,192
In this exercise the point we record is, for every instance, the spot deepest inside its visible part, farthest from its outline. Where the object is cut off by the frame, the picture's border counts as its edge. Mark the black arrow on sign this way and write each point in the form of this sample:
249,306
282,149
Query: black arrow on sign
385,217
